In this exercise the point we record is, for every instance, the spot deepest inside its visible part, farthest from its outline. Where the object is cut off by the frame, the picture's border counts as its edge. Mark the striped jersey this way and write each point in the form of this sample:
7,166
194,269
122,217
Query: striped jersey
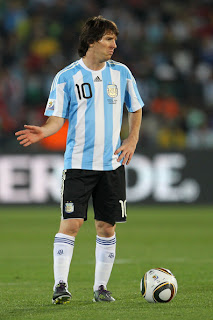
93,101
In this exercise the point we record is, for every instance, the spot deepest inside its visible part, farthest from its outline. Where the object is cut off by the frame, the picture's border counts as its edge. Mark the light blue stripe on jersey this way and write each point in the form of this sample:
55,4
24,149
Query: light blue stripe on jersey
108,117
87,159
72,128
128,99
122,84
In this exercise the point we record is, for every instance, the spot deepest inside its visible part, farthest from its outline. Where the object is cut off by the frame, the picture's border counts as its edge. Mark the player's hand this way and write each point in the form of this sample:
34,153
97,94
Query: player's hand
127,150
30,135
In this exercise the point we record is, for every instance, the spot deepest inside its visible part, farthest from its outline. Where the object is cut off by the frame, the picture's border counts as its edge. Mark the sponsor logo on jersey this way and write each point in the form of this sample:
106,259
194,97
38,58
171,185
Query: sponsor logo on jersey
69,207
112,90
97,79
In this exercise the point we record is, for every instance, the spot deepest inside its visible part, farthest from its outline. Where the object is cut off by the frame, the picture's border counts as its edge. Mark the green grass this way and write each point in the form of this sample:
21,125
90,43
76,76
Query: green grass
179,238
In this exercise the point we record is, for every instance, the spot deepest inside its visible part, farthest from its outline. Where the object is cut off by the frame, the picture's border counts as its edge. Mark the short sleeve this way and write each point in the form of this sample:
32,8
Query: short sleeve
59,100
132,97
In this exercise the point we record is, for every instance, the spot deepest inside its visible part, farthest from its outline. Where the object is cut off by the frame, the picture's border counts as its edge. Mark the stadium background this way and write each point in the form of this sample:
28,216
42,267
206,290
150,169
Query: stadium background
168,45
169,48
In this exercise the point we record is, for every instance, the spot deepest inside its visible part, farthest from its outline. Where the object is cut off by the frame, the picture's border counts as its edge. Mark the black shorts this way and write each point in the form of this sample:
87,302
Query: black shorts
108,191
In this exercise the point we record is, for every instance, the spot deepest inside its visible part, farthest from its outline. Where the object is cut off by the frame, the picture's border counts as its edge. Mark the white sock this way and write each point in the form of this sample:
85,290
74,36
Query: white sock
105,257
62,254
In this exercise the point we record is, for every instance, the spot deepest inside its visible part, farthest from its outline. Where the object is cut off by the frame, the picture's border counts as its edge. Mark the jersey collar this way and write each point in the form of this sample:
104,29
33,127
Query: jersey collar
85,67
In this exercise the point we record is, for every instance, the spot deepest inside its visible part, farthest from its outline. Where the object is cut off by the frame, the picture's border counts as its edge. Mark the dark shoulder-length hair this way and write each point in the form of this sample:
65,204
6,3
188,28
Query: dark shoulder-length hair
93,30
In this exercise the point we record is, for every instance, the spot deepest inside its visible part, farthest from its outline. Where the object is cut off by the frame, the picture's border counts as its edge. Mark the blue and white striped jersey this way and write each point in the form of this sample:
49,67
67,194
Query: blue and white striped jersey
93,102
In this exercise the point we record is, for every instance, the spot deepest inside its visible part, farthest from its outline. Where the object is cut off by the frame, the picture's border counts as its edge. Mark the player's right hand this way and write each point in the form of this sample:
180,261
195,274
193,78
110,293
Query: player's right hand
30,135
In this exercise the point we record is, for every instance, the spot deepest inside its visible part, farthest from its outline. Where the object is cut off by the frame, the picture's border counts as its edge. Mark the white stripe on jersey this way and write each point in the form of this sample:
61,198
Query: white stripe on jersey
115,76
99,126
78,149
59,103
134,99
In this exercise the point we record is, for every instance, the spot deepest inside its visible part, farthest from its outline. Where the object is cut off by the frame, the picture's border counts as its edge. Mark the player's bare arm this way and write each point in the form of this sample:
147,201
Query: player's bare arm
32,134
128,146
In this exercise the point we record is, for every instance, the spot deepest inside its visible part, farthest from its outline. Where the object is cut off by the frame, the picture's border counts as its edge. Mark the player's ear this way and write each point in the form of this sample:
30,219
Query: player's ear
91,45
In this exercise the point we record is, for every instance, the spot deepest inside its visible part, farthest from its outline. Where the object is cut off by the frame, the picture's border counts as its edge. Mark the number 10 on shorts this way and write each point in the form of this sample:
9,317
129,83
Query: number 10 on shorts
123,208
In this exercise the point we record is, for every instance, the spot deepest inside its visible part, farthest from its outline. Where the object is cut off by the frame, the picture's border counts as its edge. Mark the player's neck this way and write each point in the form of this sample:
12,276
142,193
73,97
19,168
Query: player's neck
92,63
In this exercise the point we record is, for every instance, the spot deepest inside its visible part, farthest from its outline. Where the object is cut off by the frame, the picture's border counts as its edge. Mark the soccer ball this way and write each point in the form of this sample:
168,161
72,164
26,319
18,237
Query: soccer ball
158,285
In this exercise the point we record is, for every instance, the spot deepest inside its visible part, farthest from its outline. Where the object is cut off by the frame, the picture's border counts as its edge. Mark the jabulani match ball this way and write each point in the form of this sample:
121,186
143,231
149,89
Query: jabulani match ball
158,285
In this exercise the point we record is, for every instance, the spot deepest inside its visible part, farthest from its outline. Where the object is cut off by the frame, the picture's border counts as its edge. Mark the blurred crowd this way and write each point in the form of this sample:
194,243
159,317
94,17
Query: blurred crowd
168,45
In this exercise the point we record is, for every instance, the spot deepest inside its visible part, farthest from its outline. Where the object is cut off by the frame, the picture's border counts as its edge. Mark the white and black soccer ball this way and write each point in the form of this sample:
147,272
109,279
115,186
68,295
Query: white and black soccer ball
158,285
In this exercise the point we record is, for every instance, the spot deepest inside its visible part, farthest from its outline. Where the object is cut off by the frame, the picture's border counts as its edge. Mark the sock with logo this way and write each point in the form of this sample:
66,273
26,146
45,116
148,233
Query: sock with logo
105,257
62,254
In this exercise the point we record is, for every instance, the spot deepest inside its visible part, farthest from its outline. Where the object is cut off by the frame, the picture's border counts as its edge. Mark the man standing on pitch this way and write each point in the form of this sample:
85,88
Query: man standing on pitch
90,93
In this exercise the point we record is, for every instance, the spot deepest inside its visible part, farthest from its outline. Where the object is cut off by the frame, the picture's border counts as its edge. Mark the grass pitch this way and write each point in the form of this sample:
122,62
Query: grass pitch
179,238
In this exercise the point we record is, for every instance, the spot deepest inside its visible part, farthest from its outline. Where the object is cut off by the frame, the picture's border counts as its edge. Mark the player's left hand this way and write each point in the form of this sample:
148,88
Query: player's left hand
127,150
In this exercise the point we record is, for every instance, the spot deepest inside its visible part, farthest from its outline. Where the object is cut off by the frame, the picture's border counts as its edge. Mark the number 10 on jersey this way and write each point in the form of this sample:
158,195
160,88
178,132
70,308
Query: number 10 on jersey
84,90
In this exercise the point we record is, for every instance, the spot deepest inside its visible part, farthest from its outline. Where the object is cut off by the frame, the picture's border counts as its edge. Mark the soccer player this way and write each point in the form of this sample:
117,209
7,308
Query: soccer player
90,93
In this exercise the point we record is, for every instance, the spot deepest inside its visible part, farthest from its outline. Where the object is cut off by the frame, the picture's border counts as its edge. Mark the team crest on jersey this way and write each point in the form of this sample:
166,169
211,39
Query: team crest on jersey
69,207
112,90
51,104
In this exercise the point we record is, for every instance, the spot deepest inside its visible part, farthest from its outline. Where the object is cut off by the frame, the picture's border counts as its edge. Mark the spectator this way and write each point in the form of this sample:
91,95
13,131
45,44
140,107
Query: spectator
170,50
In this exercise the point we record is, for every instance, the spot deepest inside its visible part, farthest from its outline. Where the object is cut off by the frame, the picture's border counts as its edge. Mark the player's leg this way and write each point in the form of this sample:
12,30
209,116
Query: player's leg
105,256
73,213
63,251
109,199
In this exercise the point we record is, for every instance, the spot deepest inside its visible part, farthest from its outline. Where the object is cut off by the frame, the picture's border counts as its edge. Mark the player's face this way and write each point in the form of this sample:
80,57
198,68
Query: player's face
105,47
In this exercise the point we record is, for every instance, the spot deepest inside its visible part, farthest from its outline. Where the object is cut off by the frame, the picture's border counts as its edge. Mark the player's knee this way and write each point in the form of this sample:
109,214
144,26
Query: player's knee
71,226
104,229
